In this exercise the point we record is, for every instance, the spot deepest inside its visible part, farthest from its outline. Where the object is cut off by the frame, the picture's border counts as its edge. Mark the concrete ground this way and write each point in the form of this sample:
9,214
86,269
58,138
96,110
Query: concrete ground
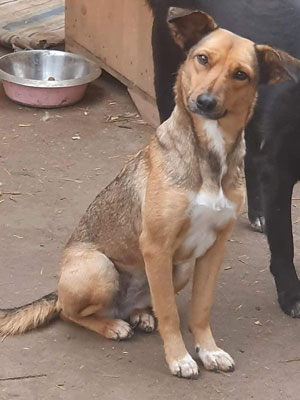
51,166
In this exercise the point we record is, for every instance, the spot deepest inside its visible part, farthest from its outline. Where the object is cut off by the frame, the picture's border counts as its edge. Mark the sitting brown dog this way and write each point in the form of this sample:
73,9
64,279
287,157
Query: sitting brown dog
169,212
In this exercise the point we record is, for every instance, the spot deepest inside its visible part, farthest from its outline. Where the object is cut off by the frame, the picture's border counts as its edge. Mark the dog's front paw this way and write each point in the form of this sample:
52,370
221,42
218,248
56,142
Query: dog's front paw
143,320
216,360
185,367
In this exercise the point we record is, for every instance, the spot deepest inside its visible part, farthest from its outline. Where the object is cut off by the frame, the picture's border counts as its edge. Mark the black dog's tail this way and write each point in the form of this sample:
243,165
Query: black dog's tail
22,319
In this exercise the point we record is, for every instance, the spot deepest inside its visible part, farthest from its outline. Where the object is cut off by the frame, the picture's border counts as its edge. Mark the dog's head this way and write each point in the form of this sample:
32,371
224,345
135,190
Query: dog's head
221,72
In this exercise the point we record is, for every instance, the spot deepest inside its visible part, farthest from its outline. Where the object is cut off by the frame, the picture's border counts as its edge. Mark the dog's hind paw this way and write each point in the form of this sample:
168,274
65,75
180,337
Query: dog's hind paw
290,302
217,360
185,368
143,320
259,224
295,310
118,329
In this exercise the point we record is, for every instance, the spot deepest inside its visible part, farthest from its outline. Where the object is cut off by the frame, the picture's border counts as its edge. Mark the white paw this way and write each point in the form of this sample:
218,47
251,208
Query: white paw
118,329
185,368
144,321
217,360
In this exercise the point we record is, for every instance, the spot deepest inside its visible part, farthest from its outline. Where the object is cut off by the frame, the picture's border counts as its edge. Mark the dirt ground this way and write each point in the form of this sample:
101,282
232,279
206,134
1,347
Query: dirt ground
58,162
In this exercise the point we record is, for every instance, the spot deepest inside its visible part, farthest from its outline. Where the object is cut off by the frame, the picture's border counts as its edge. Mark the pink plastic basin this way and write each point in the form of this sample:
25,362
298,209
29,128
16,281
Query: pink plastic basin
44,97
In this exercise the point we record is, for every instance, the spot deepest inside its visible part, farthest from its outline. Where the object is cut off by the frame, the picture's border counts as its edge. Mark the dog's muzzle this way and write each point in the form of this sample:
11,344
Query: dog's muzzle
206,105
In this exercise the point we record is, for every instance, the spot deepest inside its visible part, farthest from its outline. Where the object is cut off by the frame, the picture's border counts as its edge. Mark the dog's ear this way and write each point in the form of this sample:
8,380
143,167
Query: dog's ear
188,27
276,66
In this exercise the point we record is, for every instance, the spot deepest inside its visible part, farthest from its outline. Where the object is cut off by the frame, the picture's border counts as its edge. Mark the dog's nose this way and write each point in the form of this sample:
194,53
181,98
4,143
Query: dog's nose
206,102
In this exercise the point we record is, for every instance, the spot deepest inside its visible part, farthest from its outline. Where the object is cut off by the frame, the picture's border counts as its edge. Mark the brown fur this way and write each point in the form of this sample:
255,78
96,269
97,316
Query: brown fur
129,250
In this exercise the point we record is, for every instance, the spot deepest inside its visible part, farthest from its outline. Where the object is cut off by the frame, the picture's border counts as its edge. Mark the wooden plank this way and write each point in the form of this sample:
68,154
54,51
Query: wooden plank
118,32
74,47
146,106
145,103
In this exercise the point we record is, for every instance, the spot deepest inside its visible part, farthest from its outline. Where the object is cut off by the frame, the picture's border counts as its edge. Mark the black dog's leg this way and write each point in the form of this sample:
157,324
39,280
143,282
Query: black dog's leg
253,179
254,192
167,57
278,188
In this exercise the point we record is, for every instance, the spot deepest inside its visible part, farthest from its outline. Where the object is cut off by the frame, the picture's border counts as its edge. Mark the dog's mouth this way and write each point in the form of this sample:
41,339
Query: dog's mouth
216,113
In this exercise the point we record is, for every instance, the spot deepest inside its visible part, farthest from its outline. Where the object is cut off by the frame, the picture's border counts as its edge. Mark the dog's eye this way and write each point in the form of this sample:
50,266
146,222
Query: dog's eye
240,76
202,59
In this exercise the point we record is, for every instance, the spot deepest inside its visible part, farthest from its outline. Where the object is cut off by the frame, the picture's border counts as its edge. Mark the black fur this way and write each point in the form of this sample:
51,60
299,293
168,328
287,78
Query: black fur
272,162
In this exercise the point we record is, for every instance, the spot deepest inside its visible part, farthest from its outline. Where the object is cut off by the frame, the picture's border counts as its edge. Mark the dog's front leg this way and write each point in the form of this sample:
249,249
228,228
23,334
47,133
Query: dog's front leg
205,275
158,262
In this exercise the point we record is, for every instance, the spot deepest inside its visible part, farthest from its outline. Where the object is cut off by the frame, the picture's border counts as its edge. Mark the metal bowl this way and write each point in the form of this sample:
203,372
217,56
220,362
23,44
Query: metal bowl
46,78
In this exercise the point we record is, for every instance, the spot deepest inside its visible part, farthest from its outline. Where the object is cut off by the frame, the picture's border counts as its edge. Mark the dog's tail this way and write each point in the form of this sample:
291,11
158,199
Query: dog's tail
22,319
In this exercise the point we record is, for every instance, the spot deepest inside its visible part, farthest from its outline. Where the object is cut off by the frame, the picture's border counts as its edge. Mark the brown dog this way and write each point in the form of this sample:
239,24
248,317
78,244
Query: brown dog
169,212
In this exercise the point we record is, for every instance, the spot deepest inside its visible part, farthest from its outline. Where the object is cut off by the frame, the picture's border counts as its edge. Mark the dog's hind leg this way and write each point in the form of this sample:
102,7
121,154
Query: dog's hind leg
253,162
115,329
205,275
88,284
278,188
143,319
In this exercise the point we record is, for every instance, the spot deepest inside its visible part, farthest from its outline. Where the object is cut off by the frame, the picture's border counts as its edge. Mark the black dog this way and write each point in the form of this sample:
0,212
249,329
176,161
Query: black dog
272,163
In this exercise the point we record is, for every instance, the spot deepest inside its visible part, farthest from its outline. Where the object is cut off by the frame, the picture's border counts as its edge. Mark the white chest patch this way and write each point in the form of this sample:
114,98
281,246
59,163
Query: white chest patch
207,213
216,141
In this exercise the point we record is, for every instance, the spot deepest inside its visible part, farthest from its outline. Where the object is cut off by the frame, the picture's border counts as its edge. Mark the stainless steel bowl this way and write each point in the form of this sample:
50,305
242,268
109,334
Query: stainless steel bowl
46,69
